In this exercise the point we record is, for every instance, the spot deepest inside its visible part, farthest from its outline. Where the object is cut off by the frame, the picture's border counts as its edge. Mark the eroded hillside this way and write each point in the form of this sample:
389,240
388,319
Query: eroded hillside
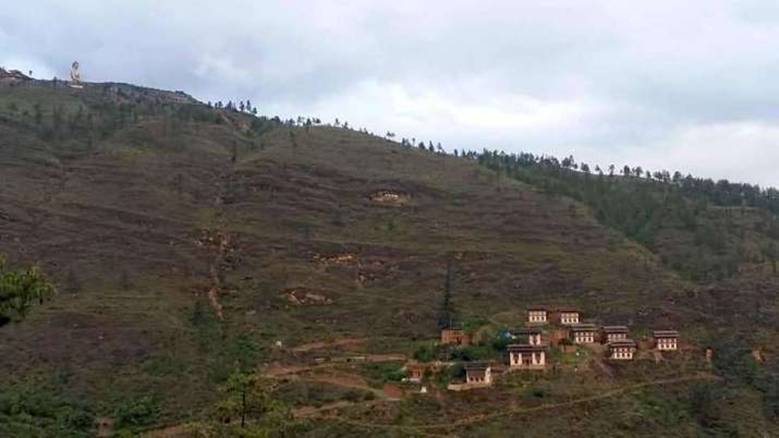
184,239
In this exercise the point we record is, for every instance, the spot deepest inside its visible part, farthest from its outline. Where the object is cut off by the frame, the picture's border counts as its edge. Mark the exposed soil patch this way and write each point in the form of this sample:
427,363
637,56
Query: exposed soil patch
390,197
301,296
337,259
320,345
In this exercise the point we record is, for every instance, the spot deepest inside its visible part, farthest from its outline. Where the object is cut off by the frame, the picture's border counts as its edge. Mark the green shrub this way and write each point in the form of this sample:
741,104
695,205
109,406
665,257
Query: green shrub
137,412
424,353
385,371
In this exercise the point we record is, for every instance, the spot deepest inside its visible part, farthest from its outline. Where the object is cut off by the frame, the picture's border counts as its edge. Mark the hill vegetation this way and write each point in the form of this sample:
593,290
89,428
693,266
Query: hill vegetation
206,258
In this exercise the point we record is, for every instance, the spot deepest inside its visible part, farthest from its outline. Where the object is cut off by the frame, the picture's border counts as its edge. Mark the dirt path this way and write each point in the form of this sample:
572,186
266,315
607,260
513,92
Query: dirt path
320,345
478,418
282,370
219,230
215,271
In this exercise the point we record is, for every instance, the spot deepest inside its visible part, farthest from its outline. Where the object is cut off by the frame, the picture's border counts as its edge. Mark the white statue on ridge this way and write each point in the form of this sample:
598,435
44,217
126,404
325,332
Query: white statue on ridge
75,76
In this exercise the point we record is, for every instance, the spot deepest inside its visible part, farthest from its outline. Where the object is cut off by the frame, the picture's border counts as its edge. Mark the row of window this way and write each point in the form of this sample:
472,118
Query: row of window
619,355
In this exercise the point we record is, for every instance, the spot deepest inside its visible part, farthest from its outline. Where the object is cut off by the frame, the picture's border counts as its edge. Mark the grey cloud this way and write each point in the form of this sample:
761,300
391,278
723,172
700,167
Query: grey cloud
606,77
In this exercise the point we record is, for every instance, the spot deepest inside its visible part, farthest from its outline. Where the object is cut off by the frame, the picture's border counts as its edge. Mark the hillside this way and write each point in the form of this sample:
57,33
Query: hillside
187,241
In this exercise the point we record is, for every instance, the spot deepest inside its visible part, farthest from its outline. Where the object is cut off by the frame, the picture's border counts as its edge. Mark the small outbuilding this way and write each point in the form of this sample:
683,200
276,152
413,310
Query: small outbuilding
454,336
478,373
415,372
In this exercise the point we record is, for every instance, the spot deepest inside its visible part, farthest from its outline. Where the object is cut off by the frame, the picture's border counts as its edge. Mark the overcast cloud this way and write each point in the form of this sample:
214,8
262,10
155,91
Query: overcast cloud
666,84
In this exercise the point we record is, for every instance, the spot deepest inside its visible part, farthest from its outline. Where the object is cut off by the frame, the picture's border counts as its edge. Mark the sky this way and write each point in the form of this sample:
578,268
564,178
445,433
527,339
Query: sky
679,85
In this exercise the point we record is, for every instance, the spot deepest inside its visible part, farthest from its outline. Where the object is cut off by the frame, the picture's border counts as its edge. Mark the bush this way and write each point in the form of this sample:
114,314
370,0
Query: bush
472,352
385,372
40,411
137,412
424,353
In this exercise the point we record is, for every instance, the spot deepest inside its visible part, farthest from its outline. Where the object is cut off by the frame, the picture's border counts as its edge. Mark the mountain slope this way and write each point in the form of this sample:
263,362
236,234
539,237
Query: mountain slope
186,239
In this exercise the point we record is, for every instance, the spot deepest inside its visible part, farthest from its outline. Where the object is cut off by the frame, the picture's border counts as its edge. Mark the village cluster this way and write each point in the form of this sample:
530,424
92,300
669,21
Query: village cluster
530,352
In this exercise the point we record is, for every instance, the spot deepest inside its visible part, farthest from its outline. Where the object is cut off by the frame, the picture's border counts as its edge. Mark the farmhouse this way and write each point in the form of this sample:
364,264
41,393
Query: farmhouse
568,316
531,357
478,373
537,315
622,350
611,333
530,335
454,336
583,333
666,340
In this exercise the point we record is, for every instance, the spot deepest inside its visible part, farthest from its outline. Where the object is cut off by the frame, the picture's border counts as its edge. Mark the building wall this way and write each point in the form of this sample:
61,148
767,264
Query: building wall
479,378
667,344
569,318
584,337
536,316
537,359
457,337
611,337
622,353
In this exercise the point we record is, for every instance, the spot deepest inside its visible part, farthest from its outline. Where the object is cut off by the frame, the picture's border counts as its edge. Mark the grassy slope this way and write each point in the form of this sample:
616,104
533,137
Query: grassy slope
116,219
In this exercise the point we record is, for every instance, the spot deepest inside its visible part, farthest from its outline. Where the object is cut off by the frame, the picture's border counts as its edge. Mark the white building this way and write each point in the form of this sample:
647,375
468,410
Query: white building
613,333
583,333
537,315
531,357
569,317
666,340
622,350
478,373
530,335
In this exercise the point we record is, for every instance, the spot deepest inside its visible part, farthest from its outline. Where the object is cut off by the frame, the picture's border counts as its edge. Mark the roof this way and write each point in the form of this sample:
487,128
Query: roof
524,348
452,329
526,331
615,329
666,334
476,366
622,343
532,308
568,310
584,328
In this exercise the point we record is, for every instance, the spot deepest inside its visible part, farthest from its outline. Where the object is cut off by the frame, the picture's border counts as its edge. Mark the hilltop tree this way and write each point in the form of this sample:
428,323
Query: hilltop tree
249,397
72,283
772,255
19,290
447,312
